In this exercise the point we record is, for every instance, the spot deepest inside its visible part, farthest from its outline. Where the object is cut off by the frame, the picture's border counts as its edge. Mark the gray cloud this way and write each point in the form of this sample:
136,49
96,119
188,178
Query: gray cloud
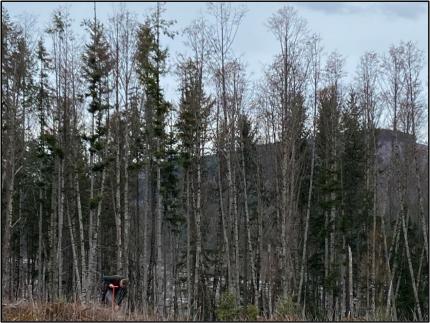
403,10
326,7
400,10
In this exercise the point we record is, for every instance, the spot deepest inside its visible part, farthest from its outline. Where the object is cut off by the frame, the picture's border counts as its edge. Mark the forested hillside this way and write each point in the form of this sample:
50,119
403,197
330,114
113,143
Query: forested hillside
303,196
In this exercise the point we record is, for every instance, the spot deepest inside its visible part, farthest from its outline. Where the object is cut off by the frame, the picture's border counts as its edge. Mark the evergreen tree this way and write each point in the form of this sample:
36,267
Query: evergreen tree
96,67
355,198
328,186
192,123
45,160
151,65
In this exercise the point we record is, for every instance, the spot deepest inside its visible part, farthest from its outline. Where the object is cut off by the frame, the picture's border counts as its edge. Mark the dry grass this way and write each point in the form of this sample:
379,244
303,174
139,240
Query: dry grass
60,311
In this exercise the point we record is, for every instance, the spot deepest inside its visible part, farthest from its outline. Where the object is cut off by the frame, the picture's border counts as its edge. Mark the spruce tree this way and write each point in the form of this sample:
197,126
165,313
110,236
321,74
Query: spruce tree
151,66
96,67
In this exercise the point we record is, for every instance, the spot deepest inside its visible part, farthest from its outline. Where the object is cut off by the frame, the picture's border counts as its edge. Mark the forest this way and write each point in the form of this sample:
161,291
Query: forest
300,197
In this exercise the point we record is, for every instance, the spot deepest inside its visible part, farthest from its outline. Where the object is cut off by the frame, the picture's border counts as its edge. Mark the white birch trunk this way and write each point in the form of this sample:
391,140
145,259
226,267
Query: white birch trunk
92,254
84,283
117,208
40,278
236,242
52,267
411,269
308,211
188,210
91,226
75,255
198,231
60,227
126,237
6,243
260,236
248,233
145,236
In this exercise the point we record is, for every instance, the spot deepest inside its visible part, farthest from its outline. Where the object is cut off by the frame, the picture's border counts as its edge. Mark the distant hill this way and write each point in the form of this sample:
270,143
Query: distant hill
385,139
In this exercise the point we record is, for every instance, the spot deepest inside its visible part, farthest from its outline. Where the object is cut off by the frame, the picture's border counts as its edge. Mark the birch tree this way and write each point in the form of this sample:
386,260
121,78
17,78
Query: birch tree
291,31
315,52
393,66
221,36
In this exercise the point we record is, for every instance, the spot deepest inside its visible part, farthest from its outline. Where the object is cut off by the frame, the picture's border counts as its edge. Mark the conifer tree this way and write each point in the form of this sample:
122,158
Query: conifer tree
44,166
151,65
355,197
96,68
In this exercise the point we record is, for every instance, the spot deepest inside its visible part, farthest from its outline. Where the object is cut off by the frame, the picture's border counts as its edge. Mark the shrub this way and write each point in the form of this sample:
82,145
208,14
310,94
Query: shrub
227,309
249,313
381,315
287,308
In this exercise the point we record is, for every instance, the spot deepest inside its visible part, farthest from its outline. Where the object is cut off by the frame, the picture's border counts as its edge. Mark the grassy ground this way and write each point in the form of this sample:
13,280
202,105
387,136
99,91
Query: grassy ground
26,311
59,311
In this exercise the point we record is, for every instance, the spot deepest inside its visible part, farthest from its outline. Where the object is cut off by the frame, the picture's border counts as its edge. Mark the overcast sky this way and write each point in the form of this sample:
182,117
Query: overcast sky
349,28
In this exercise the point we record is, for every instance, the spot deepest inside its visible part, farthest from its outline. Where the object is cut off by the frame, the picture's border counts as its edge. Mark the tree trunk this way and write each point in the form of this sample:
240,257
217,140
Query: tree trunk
411,269
401,189
350,313
260,233
53,266
165,281
225,232
308,211
40,278
126,237
343,280
84,268
374,211
93,252
198,231
292,187
117,208
236,241
145,225
392,275
75,255
6,253
420,201
248,233
326,262
419,269
269,289
283,259
188,210
233,217
371,186
60,227
159,243
91,224
118,221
